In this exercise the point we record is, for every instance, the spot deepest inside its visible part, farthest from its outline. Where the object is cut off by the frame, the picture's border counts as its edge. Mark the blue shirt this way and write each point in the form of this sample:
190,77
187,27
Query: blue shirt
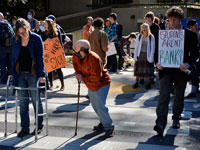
113,32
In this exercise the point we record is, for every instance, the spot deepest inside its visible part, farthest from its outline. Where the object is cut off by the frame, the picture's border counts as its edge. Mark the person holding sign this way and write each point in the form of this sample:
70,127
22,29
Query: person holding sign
144,56
97,80
51,32
27,68
176,73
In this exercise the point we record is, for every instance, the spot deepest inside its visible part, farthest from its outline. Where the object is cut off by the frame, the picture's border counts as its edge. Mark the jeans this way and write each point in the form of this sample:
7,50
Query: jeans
26,79
5,63
166,82
98,101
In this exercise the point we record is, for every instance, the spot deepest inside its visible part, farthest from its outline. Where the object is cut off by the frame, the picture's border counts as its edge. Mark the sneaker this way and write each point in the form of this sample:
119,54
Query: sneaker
148,86
191,95
38,131
176,124
99,127
22,133
159,129
109,133
135,85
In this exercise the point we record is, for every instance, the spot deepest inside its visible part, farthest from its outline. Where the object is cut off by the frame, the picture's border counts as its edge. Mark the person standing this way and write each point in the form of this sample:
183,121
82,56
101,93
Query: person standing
176,76
6,35
27,68
31,19
107,25
99,40
149,18
192,25
144,56
88,28
51,32
97,81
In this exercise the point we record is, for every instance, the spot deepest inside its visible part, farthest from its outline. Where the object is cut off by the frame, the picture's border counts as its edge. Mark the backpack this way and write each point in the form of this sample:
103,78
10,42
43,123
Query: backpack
119,31
6,35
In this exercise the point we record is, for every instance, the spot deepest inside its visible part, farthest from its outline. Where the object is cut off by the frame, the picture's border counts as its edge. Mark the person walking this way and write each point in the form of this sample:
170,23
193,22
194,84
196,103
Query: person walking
27,68
97,81
144,56
176,76
99,40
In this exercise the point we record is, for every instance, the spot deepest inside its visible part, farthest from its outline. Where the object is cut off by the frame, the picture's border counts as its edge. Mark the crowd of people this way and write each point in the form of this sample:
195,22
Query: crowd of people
27,65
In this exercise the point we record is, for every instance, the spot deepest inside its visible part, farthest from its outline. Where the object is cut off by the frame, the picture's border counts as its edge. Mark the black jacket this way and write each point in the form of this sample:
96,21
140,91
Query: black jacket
191,54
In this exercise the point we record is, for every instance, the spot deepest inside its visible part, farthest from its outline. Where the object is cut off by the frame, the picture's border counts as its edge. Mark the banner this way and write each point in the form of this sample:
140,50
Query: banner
171,48
111,49
54,57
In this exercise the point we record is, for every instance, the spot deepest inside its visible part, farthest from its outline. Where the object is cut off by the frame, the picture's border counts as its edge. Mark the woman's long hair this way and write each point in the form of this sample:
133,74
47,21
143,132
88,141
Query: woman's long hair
148,29
21,23
52,30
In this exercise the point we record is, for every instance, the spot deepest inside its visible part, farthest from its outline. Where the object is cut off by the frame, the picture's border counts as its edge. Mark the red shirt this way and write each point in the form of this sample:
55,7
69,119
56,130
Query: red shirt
91,68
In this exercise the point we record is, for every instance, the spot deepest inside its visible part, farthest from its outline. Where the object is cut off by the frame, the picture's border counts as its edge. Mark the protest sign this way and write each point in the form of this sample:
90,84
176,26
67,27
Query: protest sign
111,49
54,57
171,48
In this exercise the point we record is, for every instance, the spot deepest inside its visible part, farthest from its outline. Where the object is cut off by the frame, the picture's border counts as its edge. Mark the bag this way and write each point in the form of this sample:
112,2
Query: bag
111,49
6,35
65,39
119,31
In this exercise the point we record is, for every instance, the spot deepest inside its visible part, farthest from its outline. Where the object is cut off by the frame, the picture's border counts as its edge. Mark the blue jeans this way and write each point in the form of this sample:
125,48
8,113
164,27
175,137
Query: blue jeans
98,101
26,80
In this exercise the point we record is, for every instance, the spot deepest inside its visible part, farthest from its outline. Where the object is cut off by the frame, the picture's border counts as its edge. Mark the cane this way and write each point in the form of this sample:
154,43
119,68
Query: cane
79,83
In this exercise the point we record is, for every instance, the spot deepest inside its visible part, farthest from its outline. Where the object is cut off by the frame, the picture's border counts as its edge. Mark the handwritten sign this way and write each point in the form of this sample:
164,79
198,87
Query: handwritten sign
54,57
171,48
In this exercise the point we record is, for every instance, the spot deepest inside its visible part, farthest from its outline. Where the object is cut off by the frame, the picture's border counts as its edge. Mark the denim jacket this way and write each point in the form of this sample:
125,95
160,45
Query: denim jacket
35,46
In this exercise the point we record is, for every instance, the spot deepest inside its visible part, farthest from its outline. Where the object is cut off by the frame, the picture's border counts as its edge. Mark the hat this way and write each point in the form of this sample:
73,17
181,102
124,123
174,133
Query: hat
52,17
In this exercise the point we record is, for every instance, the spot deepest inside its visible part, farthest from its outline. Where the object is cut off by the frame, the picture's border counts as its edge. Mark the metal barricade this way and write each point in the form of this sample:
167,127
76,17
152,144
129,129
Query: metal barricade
10,87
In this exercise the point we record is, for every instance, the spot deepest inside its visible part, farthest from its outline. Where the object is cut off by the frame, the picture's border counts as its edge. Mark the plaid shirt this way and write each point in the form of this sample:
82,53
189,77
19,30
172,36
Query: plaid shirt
113,32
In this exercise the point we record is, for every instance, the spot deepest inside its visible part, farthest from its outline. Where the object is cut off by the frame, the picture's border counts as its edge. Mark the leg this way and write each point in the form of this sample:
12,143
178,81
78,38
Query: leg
3,67
24,103
60,74
32,83
98,101
50,77
163,102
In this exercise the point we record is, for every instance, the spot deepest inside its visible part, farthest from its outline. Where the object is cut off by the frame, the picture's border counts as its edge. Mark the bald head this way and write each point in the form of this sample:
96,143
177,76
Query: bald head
81,45
1,17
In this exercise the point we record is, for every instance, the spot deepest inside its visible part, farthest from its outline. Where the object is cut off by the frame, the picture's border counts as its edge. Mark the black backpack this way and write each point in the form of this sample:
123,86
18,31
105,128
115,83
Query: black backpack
119,31
6,35
65,39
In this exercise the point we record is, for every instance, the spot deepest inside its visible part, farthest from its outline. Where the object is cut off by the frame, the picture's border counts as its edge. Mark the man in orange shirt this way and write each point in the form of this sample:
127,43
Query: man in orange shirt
88,28
97,81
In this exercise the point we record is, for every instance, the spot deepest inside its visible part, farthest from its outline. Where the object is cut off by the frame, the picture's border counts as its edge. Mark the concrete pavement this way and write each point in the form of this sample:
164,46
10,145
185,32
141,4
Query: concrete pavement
132,110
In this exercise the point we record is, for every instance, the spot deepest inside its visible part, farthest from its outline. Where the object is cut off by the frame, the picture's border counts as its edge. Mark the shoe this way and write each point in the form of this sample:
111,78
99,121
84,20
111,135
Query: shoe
159,129
112,70
62,88
148,86
176,124
99,127
22,133
141,81
109,133
38,131
191,95
87,96
135,85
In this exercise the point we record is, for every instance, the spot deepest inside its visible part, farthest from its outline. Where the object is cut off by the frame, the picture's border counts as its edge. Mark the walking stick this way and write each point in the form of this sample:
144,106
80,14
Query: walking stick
79,83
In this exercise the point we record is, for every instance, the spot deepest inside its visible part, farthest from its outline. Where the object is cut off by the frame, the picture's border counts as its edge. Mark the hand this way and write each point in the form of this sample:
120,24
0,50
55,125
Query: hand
183,67
79,77
42,79
159,66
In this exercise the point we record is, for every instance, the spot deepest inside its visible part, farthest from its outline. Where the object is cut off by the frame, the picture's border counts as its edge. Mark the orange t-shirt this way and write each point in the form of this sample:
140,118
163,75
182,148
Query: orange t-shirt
91,68
86,31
